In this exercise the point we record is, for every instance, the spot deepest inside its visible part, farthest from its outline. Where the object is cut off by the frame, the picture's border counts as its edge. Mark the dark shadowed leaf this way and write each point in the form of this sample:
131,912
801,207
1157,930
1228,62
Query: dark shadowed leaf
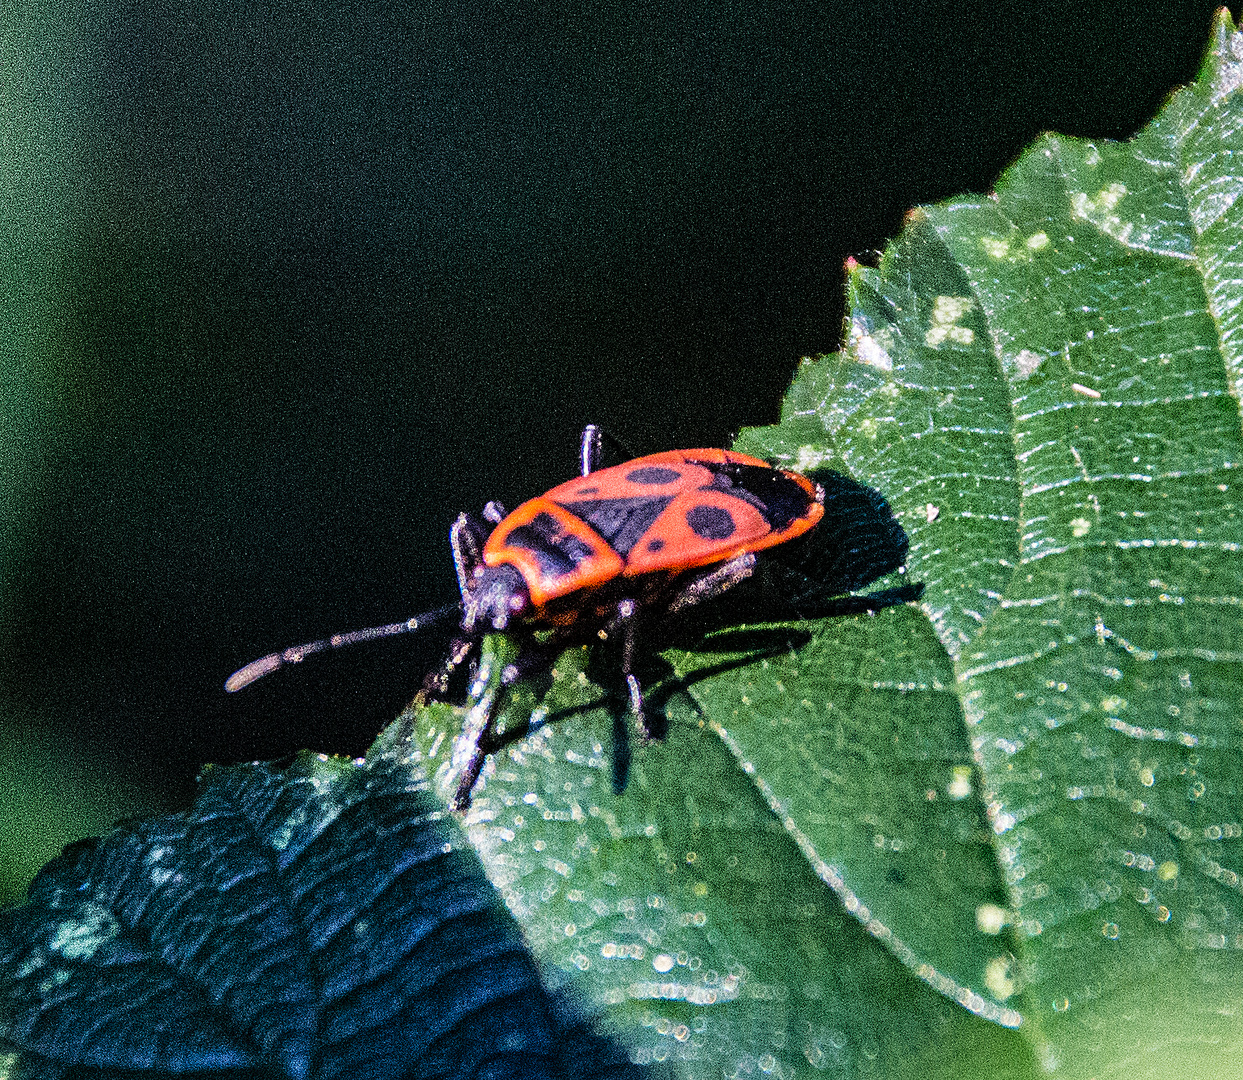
320,920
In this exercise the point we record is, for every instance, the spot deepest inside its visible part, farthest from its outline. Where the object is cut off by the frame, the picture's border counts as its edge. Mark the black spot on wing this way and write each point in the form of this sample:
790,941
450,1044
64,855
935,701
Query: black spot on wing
780,500
557,551
621,522
653,474
711,522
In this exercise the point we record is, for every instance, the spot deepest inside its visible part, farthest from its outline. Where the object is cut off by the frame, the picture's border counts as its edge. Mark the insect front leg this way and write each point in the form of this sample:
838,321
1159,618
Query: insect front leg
467,535
479,737
470,749
436,683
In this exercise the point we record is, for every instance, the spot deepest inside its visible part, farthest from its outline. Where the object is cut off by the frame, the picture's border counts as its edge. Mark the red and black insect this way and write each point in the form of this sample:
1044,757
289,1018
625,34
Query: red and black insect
610,554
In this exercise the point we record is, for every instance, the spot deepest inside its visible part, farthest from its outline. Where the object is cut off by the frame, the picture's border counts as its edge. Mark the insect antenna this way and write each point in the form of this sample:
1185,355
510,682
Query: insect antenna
265,665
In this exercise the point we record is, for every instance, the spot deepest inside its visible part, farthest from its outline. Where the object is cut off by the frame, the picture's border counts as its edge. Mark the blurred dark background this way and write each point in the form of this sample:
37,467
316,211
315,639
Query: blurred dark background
289,284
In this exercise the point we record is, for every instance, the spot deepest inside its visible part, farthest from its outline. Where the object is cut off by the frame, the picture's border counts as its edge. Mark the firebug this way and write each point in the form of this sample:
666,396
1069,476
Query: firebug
612,553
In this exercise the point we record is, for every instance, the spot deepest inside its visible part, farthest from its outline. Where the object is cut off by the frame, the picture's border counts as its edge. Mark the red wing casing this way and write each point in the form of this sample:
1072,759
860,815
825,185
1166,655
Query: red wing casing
664,513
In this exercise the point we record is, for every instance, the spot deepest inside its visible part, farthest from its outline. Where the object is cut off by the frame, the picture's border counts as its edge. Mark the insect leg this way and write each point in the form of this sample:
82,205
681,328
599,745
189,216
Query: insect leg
627,619
474,737
715,581
589,450
436,684
479,732
467,537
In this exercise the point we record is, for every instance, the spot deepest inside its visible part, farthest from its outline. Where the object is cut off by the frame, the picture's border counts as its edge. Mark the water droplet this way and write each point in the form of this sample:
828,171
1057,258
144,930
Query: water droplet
989,918
1110,930
1061,1004
663,962
1003,823
1168,870
997,978
960,782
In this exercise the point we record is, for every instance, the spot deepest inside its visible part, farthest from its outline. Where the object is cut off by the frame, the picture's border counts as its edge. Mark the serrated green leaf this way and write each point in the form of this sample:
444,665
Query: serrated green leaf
1105,688
1058,366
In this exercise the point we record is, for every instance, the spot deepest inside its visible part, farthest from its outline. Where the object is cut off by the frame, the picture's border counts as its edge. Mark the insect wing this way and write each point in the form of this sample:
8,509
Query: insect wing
688,508
552,549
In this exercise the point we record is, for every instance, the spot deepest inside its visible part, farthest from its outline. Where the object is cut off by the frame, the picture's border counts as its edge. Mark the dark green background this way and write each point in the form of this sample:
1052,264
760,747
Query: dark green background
287,285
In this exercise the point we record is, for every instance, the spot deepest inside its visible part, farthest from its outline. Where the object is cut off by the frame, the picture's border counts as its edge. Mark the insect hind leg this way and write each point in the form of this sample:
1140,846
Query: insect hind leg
591,449
714,582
